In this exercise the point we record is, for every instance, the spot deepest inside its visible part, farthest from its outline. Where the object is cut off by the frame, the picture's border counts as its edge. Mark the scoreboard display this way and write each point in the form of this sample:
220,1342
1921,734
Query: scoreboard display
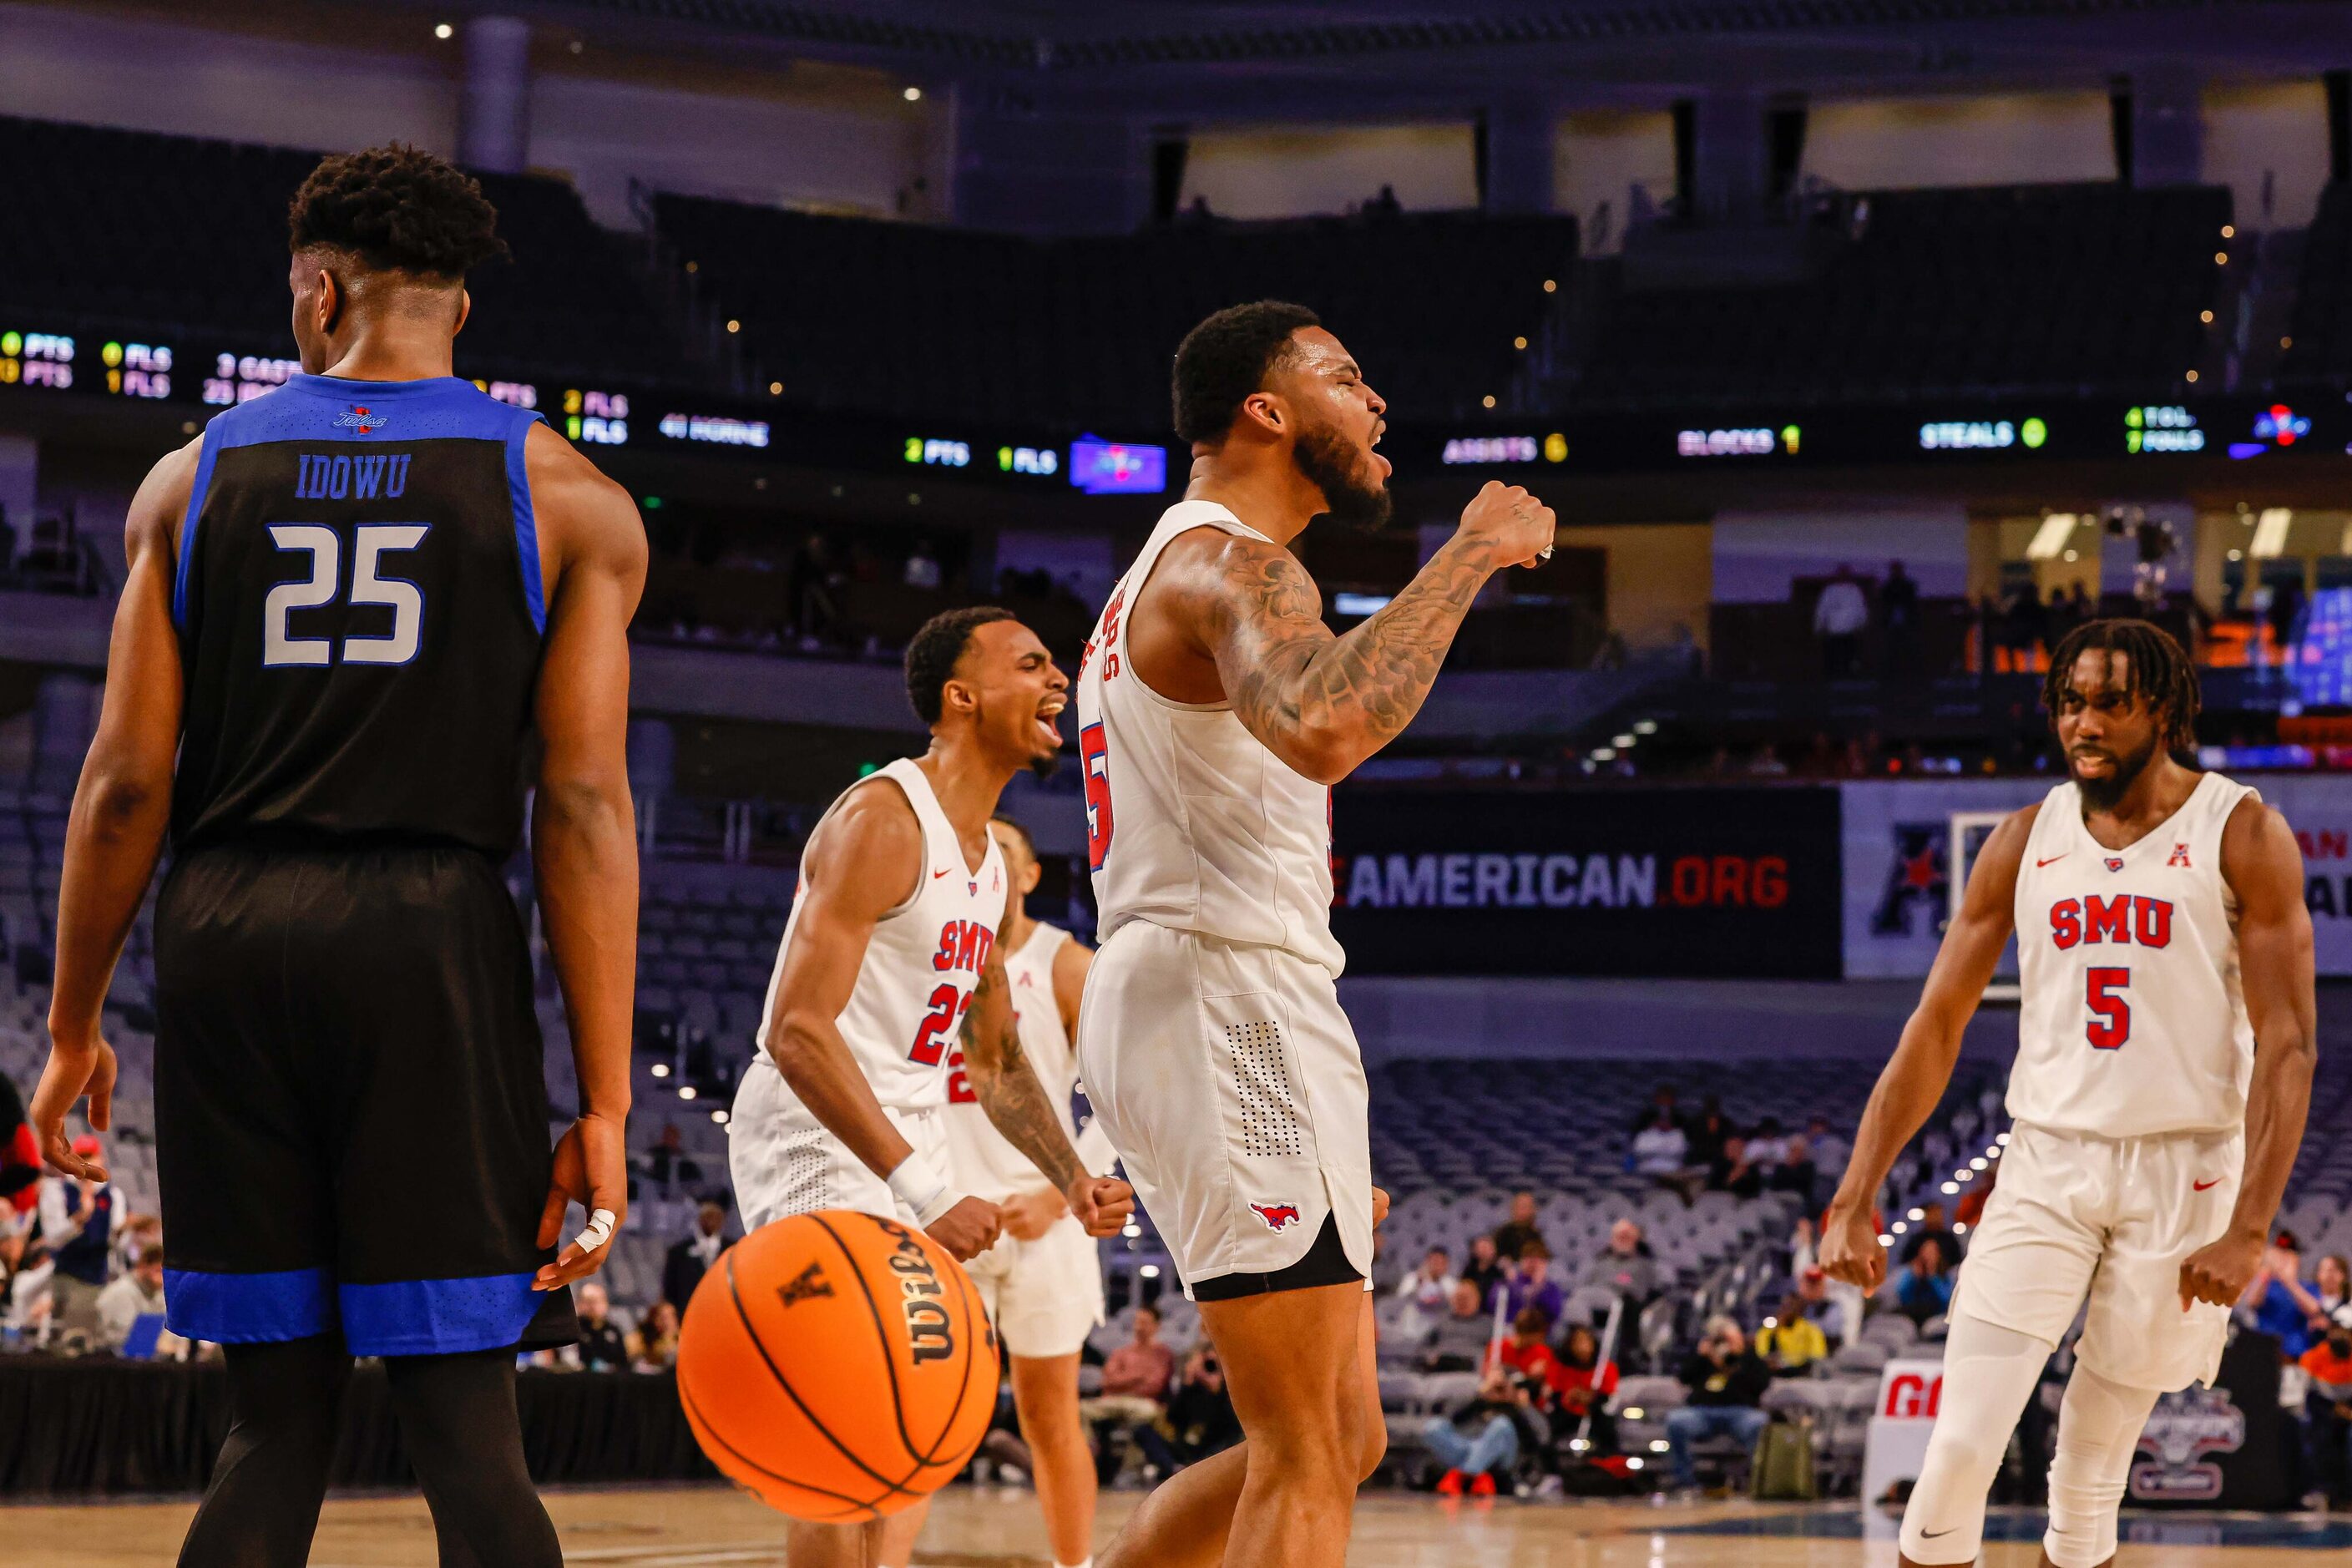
37,359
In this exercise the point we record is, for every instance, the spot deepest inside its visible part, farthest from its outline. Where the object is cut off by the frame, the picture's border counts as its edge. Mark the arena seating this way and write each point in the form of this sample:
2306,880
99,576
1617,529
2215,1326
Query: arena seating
192,239
2321,330
903,318
2051,288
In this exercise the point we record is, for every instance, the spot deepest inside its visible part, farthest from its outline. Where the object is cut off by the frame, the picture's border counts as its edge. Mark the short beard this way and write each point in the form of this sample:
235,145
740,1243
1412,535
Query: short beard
1327,459
2104,794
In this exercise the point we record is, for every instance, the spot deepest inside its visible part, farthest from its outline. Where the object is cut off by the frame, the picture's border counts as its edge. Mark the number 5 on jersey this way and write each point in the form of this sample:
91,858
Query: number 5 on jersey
1093,755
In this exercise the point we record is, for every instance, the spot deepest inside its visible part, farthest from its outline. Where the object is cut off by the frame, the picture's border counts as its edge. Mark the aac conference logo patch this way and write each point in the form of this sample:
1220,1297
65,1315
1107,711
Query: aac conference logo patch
359,418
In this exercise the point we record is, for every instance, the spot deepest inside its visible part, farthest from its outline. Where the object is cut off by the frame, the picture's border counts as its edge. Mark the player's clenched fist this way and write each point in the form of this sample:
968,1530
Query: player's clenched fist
1103,1203
1851,1250
2219,1271
966,1230
1512,524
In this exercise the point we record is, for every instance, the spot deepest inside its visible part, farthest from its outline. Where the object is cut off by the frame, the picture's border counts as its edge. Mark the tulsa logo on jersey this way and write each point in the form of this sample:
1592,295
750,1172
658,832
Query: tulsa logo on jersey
357,417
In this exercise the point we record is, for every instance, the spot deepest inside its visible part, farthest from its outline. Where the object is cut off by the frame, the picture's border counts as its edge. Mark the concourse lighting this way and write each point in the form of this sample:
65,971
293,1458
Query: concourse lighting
2270,532
2051,537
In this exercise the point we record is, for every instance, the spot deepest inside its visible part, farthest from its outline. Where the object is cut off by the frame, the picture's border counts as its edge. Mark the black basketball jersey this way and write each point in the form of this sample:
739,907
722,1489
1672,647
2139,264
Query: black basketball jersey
360,610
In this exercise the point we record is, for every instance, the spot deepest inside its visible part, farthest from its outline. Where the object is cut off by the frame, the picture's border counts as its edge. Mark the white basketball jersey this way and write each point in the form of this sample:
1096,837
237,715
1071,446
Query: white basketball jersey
922,961
986,1165
2132,1021
1192,824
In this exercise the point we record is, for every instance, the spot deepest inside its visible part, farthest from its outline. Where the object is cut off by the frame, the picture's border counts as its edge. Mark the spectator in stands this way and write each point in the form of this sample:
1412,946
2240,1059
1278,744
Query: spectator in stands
1732,1172
1662,1152
1485,1267
1526,1354
2331,1288
1968,1213
1425,1292
1531,1285
1584,1384
1898,621
1664,1102
1458,1342
1931,1227
1791,1341
121,1303
79,1221
653,1346
1797,1172
1821,1307
814,585
1200,1421
1708,1132
1727,1382
2276,1302
1829,1151
668,1164
602,1347
139,1233
1924,1288
1511,1237
1626,1265
1765,1145
1839,617
1384,205
1135,1379
2328,1410
2285,613
922,567
689,1259
1495,1413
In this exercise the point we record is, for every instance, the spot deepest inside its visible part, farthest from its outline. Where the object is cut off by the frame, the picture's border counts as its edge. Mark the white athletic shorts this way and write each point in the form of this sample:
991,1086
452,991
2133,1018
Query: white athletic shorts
784,1162
2109,1220
1232,1087
1045,1295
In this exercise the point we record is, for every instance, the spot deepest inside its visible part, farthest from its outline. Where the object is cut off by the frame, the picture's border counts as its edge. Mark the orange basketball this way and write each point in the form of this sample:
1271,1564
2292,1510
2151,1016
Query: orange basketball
838,1365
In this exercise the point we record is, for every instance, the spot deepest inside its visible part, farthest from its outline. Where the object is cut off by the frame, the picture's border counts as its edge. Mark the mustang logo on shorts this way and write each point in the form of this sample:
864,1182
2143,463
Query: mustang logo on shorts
2114,863
1278,1217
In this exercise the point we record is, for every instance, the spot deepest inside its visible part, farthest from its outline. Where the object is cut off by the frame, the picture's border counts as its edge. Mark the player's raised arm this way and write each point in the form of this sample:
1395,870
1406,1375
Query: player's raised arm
1322,702
1007,1088
2264,866
583,827
863,862
1917,1075
122,807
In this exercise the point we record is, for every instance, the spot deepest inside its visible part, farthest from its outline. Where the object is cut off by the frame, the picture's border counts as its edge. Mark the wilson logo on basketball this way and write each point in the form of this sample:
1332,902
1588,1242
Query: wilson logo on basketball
931,1331
809,1284
1278,1217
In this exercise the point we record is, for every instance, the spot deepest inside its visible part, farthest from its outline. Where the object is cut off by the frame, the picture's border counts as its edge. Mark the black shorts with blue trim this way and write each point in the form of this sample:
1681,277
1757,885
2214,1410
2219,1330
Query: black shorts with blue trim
350,1104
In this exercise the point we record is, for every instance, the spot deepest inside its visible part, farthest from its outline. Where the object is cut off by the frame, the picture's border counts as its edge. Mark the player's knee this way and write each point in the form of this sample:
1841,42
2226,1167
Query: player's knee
1311,1448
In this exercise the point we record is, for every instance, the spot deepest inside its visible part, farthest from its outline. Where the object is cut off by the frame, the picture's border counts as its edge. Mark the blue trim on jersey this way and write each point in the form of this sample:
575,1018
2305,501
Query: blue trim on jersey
438,1317
331,408
248,1309
526,522
205,453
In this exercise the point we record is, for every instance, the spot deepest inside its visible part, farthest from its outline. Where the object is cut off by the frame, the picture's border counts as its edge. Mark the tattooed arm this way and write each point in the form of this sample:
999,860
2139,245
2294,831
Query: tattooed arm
1323,703
1008,1089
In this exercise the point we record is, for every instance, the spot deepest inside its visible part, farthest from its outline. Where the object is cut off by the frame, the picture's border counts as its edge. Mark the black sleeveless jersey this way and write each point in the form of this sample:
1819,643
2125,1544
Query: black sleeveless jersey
359,609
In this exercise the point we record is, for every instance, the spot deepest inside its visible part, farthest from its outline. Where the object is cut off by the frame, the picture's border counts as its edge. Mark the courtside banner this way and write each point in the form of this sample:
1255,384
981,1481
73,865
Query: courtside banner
1684,882
1897,859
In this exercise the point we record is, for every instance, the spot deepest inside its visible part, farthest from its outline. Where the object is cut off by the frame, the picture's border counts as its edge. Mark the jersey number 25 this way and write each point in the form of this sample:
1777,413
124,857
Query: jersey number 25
369,586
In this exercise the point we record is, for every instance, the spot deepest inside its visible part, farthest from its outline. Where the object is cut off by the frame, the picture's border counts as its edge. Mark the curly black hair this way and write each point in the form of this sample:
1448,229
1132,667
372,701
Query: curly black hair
932,655
397,208
2156,667
1225,358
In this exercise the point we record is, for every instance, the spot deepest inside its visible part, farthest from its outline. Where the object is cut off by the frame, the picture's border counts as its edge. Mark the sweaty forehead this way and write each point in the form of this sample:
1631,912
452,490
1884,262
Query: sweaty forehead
1314,350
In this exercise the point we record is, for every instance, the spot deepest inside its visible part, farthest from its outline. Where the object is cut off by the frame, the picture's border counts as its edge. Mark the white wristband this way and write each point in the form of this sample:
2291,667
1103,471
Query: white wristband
918,1185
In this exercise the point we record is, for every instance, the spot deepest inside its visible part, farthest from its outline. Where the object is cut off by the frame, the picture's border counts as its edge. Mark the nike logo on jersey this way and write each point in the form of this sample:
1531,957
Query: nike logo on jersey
2200,1186
1931,1534
2037,866
941,872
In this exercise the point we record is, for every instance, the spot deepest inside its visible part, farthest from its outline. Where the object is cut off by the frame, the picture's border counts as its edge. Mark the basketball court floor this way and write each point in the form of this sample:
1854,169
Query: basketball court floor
715,1527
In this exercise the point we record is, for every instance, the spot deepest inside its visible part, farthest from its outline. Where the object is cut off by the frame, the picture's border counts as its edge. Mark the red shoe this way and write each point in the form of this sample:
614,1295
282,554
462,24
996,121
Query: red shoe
1482,1484
1450,1484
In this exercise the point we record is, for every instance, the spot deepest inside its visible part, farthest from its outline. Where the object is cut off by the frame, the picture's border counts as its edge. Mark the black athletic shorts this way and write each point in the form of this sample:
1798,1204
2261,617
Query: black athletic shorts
1325,1262
351,1105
